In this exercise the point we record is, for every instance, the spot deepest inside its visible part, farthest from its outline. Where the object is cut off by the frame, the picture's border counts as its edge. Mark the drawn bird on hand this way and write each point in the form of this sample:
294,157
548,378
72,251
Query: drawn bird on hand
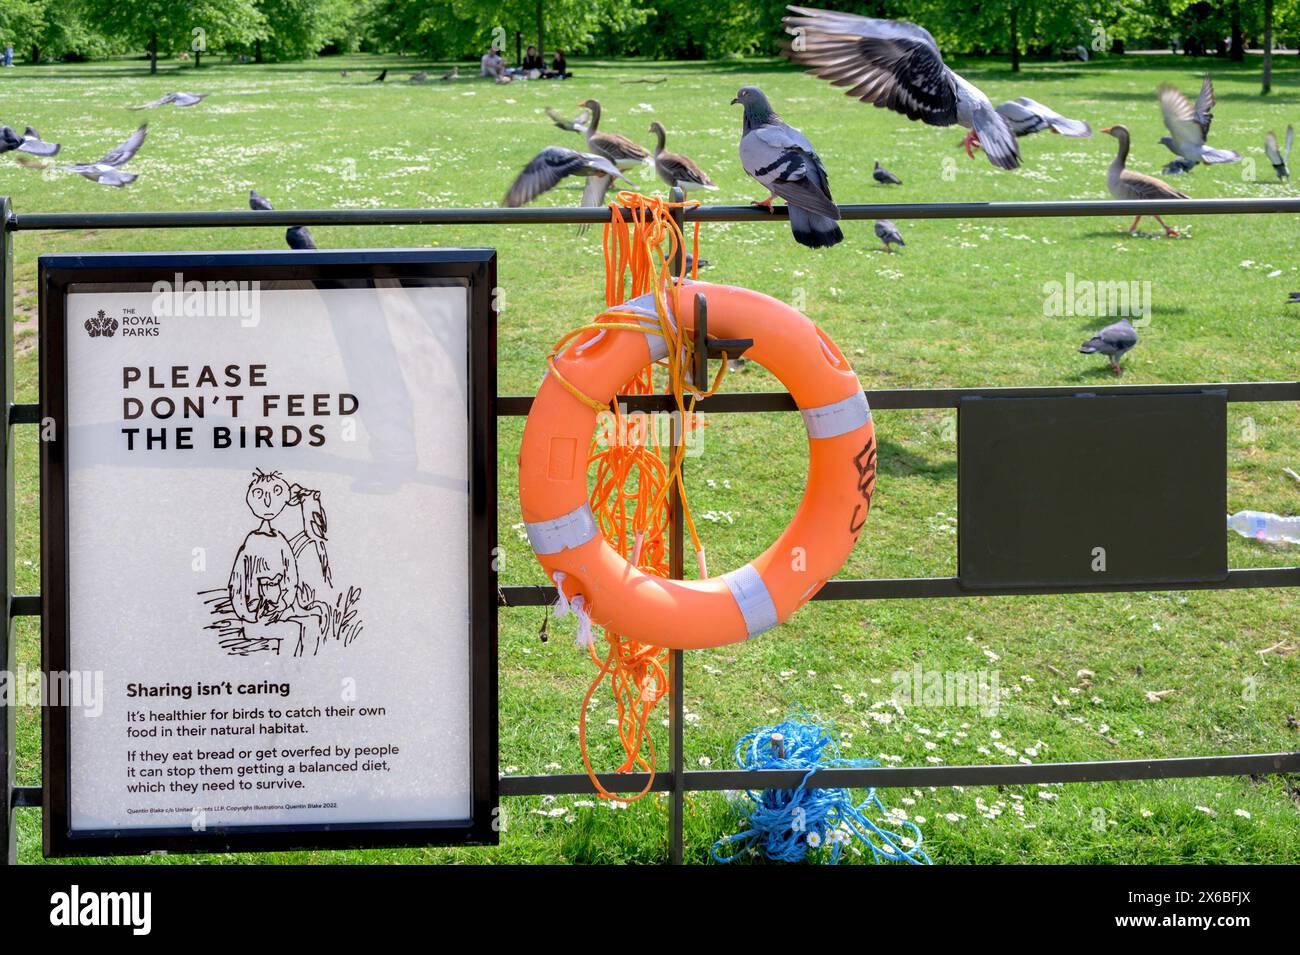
313,526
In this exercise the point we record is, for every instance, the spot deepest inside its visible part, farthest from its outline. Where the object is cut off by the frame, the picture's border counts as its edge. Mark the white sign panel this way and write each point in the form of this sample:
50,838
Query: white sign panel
267,523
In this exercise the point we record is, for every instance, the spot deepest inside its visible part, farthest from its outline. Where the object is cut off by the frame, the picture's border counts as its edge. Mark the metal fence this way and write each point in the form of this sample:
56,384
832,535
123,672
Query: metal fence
675,780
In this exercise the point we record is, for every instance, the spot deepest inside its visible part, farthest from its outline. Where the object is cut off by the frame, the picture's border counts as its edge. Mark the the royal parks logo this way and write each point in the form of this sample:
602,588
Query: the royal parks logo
102,325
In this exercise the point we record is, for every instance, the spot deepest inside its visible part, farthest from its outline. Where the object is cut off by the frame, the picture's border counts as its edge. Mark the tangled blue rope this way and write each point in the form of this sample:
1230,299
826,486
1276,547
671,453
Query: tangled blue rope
785,824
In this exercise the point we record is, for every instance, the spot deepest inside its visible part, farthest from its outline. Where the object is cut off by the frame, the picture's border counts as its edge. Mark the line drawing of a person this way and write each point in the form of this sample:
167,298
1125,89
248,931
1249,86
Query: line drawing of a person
266,591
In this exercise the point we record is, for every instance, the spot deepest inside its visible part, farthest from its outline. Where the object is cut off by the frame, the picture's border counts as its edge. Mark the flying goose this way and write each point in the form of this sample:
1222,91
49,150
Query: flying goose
884,176
888,233
107,171
547,168
576,125
297,236
1278,157
1189,125
1114,341
897,65
781,158
619,150
29,142
174,99
1026,117
677,170
1127,184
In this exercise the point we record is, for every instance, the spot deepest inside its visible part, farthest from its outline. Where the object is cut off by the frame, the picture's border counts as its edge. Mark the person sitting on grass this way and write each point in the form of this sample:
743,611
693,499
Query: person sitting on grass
492,65
559,66
533,64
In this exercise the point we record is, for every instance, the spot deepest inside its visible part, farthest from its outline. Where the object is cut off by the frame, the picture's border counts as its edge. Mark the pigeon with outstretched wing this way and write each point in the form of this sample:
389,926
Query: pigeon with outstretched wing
107,171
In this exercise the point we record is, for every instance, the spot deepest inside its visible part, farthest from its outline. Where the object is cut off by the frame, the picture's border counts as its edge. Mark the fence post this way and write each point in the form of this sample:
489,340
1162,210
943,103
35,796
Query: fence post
676,678
8,700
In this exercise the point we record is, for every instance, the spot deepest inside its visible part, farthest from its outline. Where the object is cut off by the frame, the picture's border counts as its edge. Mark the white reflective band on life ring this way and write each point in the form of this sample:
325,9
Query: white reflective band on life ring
753,598
564,532
831,421
644,306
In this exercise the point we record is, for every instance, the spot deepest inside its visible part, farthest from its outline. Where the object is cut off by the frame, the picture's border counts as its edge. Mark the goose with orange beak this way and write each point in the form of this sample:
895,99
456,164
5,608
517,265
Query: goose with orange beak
1127,184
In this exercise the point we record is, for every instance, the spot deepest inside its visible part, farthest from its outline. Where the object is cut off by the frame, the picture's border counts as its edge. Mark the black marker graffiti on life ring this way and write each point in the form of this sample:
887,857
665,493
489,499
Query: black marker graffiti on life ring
865,462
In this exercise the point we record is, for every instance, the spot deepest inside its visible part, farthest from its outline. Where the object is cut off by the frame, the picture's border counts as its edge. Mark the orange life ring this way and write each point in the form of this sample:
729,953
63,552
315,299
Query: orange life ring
690,614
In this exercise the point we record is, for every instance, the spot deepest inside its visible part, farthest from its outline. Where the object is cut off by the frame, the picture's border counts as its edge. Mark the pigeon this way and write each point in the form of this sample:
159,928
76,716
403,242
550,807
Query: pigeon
884,176
381,77
690,263
888,233
297,237
29,142
1293,298
619,150
1177,166
675,169
576,125
107,171
1114,341
895,64
1278,157
1026,117
174,99
451,75
781,158
1189,125
552,164
1127,184
419,77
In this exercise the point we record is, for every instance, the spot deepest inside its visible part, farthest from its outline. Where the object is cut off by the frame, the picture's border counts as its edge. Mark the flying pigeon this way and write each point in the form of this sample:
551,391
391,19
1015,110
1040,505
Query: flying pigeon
174,99
1124,183
107,171
552,164
888,233
575,125
897,65
381,77
297,237
1278,157
1026,116
781,158
29,142
1114,341
1189,125
675,169
884,176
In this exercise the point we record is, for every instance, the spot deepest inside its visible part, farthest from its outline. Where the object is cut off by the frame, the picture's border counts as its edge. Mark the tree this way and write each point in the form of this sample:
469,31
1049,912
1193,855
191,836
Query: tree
297,29
1266,82
165,26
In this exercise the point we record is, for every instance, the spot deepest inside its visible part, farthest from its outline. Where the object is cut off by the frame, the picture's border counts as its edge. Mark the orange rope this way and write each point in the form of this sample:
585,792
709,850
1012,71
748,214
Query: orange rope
633,480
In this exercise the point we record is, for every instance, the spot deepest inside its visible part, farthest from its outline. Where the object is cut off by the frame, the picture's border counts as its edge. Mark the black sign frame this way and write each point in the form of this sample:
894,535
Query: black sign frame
475,268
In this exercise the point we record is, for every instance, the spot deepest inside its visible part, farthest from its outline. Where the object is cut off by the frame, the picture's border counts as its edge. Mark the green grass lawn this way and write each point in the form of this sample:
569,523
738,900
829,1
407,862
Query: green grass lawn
963,305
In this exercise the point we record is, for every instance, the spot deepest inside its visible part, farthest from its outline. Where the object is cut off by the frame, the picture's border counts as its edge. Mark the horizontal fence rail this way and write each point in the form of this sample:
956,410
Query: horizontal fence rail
562,215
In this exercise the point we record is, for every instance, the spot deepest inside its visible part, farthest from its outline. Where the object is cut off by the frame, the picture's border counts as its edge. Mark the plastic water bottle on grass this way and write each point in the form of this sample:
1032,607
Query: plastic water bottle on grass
1265,527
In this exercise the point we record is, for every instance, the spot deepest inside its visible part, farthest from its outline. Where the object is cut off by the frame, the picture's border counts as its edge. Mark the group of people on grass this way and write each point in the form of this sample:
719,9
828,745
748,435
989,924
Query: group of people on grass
533,67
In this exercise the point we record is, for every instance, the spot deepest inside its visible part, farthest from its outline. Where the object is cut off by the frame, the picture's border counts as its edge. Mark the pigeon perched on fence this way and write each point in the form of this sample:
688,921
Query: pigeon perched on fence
29,142
888,233
884,176
1189,126
897,65
297,237
174,99
545,170
1126,184
1114,341
781,158
675,169
107,171
1278,157
1026,117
